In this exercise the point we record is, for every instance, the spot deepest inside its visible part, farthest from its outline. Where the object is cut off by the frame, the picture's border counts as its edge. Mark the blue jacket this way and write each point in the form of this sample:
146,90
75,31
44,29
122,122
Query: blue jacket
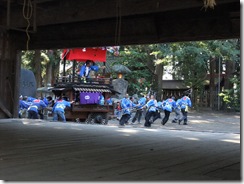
185,101
178,104
169,104
126,105
101,100
60,105
30,99
160,105
24,104
83,70
45,101
152,105
37,104
141,102
109,101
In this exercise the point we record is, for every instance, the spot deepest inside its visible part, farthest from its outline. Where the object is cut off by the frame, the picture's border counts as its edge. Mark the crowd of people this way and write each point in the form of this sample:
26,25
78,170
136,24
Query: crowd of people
146,106
152,109
33,108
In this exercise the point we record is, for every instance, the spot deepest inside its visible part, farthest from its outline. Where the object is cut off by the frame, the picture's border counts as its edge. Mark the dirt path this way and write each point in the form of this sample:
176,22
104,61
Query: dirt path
204,121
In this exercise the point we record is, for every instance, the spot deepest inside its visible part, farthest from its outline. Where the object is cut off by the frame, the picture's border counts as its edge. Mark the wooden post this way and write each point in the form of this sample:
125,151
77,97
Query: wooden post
74,66
17,85
9,70
64,66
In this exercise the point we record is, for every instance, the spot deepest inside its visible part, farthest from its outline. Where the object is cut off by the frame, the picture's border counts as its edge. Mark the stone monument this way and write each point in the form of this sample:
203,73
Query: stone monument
27,83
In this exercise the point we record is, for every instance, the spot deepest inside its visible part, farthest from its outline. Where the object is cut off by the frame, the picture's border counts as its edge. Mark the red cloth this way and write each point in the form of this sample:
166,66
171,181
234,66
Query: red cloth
83,54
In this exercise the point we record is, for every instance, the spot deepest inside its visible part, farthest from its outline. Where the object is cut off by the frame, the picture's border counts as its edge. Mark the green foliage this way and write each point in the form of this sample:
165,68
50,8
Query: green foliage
232,96
27,57
191,62
47,57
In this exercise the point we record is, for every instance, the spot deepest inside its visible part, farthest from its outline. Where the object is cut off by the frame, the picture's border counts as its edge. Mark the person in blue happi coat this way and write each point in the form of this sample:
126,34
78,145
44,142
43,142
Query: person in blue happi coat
151,106
59,109
184,103
168,106
23,107
30,98
126,107
157,115
86,69
34,107
139,109
177,111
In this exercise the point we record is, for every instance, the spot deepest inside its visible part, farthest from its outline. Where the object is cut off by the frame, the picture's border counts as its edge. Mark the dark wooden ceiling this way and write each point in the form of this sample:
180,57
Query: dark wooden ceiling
79,23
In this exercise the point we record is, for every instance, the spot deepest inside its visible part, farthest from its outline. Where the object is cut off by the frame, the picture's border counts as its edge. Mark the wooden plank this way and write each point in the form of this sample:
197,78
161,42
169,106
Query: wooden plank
5,110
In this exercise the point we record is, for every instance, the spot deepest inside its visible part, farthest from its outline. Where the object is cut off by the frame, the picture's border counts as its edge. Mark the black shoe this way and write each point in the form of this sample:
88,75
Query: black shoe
180,121
173,121
163,123
184,123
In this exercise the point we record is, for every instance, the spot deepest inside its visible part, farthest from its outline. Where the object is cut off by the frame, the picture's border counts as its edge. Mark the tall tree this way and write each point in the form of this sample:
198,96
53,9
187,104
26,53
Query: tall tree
37,67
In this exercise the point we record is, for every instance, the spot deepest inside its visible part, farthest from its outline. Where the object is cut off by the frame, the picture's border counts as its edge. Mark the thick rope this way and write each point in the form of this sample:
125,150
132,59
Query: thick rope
209,4
27,14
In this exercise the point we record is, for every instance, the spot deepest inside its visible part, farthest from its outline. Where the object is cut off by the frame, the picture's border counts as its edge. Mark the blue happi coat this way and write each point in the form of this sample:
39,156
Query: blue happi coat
37,104
152,105
184,102
169,104
60,105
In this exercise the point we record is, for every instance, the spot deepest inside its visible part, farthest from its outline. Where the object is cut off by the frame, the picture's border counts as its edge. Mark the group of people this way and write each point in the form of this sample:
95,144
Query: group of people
153,109
32,108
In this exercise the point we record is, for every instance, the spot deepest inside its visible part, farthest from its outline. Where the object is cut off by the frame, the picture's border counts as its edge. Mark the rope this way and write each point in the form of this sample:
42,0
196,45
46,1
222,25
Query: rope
27,14
209,3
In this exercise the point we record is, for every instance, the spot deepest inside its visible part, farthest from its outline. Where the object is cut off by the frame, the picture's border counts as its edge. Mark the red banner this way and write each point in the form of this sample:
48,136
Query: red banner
82,54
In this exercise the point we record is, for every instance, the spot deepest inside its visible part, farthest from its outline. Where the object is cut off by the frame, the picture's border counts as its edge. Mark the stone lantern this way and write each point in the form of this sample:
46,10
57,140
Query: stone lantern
120,84
120,70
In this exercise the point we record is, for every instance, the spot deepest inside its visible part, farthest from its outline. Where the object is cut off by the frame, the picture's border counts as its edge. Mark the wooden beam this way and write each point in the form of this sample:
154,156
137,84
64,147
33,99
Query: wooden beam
170,26
141,29
63,11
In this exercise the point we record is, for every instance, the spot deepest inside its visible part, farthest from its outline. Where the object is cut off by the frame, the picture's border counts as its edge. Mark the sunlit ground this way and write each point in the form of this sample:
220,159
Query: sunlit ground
125,131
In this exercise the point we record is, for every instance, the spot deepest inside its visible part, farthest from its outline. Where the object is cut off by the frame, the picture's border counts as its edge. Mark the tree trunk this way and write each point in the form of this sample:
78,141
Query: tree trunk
230,68
55,71
37,68
48,74
159,74
212,82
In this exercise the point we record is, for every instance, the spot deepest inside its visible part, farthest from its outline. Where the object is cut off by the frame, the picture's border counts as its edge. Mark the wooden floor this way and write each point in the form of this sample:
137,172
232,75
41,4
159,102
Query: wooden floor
35,150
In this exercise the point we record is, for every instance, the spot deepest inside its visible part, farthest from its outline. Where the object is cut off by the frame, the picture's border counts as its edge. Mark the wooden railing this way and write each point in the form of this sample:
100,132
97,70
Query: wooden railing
78,80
